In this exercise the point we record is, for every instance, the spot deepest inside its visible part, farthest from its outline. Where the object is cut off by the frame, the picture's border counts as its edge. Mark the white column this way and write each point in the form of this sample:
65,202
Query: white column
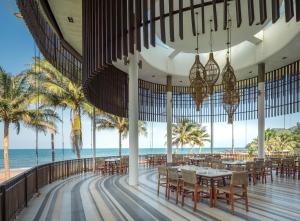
169,119
261,110
94,139
211,124
133,114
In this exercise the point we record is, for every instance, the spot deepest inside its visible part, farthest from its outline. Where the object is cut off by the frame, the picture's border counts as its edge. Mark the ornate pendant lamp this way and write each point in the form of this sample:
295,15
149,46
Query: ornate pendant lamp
231,100
231,97
197,77
199,91
212,68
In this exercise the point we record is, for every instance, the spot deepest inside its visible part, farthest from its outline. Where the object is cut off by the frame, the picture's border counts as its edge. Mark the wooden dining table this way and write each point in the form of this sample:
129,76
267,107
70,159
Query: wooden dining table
209,174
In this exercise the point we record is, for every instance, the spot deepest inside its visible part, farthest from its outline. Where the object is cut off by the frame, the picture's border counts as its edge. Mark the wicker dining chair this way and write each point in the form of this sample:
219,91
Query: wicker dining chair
260,170
101,166
268,170
174,183
190,185
122,166
238,187
250,168
162,179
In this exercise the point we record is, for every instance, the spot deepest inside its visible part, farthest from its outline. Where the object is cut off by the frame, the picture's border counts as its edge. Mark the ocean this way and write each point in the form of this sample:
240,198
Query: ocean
23,158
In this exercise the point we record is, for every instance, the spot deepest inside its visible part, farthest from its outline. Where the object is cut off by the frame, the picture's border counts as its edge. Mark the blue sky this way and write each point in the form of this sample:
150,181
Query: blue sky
16,52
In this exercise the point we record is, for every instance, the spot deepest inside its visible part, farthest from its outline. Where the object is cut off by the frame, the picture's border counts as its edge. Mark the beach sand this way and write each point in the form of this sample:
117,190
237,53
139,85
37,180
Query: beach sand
13,172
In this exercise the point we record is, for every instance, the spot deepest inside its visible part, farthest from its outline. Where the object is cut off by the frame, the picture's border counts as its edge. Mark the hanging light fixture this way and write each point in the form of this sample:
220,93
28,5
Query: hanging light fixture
231,97
197,77
199,91
231,100
212,68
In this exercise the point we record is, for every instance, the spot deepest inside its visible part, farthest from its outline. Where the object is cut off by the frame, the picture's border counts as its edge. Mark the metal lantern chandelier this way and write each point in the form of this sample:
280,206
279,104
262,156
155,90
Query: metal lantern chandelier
231,97
212,68
197,77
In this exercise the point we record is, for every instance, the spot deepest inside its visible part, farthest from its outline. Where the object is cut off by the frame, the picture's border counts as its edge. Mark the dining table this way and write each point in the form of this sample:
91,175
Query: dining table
196,160
209,174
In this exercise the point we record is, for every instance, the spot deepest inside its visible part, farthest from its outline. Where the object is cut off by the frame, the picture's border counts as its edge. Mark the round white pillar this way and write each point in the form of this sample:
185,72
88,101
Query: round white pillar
169,119
261,110
133,114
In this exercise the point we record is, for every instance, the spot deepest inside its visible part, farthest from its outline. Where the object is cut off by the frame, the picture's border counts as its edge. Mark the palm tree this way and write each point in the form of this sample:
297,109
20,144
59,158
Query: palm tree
108,121
68,94
199,136
275,140
188,132
15,108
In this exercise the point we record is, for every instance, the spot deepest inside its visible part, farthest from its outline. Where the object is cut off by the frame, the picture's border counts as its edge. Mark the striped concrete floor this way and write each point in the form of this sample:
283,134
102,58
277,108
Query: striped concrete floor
92,197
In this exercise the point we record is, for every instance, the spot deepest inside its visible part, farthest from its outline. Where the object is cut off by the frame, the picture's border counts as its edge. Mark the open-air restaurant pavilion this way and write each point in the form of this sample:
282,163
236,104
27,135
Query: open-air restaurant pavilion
209,61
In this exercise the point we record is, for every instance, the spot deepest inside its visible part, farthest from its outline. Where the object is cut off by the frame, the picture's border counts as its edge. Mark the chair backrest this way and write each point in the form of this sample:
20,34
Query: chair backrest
239,178
172,173
162,170
100,162
259,164
250,166
189,176
268,163
218,165
237,168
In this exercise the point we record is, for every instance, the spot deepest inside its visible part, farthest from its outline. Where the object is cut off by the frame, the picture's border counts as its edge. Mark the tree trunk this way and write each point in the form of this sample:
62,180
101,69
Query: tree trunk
76,130
5,150
52,147
120,144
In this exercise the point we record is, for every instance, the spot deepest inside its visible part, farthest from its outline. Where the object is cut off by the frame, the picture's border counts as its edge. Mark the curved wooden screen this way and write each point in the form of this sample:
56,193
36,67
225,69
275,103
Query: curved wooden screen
107,87
57,51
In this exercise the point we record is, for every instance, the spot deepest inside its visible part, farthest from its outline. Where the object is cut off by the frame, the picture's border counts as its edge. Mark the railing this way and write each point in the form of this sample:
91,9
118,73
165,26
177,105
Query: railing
16,192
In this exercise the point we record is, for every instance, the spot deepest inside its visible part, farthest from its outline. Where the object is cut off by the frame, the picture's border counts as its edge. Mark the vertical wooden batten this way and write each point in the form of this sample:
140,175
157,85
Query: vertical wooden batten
193,17
262,11
138,16
162,20
251,12
152,22
289,10
180,23
275,10
238,13
145,24
171,20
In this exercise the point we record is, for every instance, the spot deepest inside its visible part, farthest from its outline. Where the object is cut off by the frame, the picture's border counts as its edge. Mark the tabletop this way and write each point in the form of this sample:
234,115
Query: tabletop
112,159
197,158
206,171
236,162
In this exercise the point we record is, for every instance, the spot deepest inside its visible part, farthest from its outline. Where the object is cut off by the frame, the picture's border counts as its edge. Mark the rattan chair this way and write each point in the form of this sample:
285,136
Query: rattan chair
238,187
162,179
122,166
268,170
174,183
260,170
190,185
250,168
101,166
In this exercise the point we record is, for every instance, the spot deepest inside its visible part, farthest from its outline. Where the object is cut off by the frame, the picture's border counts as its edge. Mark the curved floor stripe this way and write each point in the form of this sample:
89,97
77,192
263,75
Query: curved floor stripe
93,197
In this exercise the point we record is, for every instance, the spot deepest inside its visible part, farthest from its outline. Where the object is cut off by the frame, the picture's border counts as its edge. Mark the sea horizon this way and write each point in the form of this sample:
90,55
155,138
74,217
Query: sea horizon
23,158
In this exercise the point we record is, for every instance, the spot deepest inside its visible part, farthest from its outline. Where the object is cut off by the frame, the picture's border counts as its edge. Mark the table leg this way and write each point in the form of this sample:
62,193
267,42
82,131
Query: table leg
212,192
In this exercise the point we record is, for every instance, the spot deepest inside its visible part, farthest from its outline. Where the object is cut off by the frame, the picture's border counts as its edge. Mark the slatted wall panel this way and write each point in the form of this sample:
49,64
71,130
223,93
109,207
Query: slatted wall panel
58,52
282,90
